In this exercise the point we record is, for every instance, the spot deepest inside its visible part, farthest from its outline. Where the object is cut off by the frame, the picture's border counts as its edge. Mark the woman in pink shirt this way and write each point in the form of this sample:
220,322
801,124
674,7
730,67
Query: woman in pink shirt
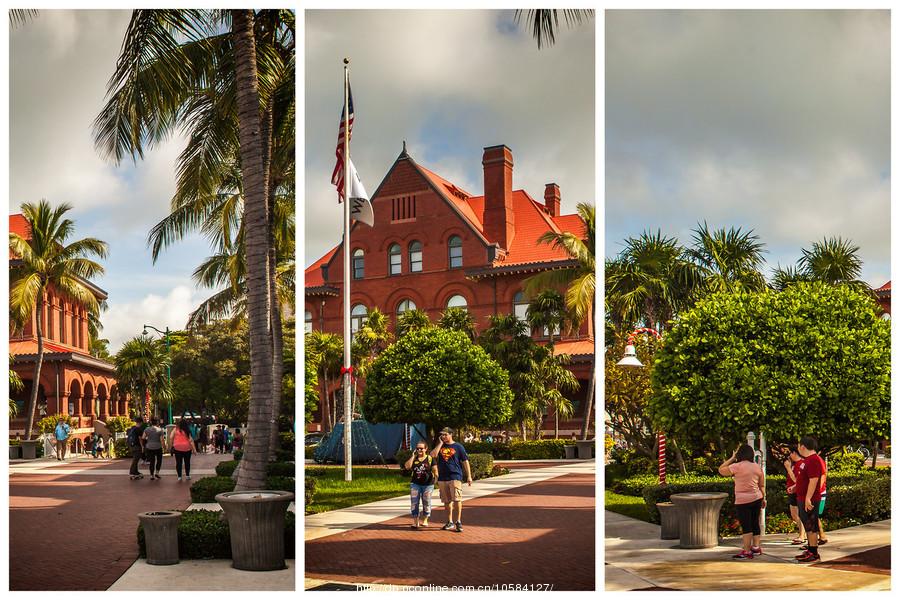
749,497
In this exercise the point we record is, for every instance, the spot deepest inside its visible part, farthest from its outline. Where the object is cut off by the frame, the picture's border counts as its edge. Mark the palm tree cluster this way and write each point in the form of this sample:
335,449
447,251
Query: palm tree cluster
225,78
654,277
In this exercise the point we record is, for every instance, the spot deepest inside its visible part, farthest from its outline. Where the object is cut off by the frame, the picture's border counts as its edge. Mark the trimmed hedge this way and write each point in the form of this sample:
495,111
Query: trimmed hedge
847,461
539,449
282,469
205,490
281,455
866,499
204,534
287,440
481,465
310,451
498,450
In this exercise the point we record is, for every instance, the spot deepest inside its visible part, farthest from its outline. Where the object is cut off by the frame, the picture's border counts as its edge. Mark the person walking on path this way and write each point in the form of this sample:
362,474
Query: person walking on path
62,439
421,486
792,467
452,463
809,495
749,497
99,446
181,444
153,438
135,441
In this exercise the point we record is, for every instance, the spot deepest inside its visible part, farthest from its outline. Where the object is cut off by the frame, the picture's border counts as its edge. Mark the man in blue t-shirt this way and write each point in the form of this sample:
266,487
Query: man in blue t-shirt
453,464
61,432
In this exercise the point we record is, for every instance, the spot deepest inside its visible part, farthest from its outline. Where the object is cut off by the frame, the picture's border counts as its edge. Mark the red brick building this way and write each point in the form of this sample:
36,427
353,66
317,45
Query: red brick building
883,297
72,381
435,245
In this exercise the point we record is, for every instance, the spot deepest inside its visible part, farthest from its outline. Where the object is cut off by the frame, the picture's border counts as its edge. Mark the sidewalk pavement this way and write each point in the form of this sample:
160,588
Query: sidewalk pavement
88,509
533,527
636,559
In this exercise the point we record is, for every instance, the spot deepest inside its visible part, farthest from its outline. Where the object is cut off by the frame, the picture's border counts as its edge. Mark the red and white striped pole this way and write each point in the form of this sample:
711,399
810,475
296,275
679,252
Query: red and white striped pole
662,458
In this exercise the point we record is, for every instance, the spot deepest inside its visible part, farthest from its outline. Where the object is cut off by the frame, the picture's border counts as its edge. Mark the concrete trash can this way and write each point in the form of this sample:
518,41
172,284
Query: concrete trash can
256,527
161,536
29,448
570,451
668,518
585,448
699,518
14,452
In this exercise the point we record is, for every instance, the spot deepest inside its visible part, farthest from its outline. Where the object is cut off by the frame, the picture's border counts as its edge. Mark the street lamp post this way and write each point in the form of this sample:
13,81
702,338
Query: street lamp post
631,360
168,366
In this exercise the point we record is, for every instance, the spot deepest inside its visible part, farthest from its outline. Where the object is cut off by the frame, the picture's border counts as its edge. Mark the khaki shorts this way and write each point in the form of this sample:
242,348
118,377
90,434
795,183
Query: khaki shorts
451,491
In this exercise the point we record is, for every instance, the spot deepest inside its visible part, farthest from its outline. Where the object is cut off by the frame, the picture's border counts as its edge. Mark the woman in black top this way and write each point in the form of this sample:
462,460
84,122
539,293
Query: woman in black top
421,486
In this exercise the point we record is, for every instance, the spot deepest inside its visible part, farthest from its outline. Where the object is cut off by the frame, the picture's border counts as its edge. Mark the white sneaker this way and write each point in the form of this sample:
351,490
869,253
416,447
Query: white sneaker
179,479
188,478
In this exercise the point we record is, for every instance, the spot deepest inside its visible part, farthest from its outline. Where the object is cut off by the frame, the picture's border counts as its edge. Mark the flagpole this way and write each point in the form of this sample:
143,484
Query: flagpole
348,408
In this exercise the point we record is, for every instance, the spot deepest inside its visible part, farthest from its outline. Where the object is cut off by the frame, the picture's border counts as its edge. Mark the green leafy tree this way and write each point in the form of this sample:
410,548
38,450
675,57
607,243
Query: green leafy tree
46,261
438,377
627,392
141,370
812,360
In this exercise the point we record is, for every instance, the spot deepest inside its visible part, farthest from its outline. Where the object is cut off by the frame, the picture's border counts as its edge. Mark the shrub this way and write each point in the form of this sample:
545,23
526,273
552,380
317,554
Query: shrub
315,471
401,456
498,450
310,451
205,490
118,424
867,500
309,485
498,470
204,534
608,443
238,454
615,472
283,469
285,455
706,465
48,424
120,448
287,440
538,449
847,462
481,465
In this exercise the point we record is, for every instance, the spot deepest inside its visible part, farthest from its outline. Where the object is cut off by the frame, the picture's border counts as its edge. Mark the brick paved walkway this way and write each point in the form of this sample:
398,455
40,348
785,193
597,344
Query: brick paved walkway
535,534
78,531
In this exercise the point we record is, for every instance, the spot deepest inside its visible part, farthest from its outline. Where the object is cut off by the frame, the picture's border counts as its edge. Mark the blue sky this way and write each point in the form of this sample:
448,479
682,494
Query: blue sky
449,83
776,121
59,65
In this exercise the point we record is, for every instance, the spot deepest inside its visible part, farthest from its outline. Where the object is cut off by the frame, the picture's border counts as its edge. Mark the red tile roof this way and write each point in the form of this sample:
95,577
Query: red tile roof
18,224
531,218
574,347
885,288
30,347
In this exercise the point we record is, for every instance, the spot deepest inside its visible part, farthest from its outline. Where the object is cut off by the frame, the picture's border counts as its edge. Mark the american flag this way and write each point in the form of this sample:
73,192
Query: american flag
337,177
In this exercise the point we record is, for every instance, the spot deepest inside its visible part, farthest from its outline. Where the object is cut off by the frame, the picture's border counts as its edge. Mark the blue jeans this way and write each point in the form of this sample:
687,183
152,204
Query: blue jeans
423,492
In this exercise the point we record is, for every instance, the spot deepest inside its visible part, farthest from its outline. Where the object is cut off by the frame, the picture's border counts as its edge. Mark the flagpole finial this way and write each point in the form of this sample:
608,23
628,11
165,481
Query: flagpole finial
404,146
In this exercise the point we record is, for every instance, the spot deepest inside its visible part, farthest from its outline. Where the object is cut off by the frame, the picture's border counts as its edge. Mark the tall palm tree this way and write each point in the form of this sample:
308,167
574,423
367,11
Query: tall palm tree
544,23
546,382
579,282
457,318
783,277
142,371
44,262
833,261
330,348
412,320
728,260
174,65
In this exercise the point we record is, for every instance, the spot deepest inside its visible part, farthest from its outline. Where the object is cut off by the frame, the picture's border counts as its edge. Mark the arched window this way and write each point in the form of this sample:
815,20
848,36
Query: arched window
520,306
359,263
415,256
405,305
358,317
307,324
457,301
455,247
394,260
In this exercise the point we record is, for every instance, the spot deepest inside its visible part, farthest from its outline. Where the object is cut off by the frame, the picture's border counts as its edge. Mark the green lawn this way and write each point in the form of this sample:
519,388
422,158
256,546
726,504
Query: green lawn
368,485
630,506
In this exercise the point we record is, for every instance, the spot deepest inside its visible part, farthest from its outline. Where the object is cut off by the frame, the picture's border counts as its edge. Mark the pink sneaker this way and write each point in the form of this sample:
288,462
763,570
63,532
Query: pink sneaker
757,550
743,555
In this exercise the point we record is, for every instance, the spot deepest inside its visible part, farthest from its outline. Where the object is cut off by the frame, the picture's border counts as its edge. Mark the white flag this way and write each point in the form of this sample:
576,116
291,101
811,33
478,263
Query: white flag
360,206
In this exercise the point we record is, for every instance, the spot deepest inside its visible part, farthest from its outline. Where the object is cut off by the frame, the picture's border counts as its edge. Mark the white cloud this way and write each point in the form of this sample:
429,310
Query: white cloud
125,320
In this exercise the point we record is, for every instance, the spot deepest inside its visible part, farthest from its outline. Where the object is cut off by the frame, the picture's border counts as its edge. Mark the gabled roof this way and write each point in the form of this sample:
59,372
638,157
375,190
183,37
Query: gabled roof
531,221
574,348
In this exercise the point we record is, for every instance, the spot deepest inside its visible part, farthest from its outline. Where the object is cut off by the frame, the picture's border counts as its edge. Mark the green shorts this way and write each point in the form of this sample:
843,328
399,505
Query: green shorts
822,505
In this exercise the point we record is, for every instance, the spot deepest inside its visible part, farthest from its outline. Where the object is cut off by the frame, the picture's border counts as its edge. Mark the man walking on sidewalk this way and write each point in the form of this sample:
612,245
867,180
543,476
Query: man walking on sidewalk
452,462
136,445
62,439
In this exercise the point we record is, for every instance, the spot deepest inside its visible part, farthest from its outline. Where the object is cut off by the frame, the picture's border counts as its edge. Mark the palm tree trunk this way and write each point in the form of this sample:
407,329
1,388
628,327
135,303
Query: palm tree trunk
256,228
35,384
585,427
325,408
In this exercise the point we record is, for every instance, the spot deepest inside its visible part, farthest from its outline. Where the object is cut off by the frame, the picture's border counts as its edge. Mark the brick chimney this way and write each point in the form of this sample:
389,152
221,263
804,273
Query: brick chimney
499,219
552,199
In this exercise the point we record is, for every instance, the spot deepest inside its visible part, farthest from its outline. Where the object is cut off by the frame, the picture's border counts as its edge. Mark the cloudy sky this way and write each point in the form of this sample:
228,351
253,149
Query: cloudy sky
449,83
59,65
773,121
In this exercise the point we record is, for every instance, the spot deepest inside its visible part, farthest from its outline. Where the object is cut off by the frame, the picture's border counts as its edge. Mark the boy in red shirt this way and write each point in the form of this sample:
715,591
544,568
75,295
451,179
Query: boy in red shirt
809,494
